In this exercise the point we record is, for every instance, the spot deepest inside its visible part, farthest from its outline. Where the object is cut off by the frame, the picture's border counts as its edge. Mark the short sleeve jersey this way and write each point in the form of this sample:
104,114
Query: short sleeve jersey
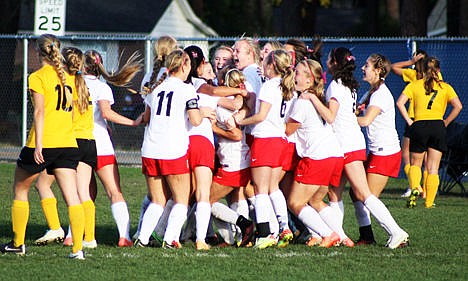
432,106
273,125
315,137
166,136
58,103
100,91
381,133
345,126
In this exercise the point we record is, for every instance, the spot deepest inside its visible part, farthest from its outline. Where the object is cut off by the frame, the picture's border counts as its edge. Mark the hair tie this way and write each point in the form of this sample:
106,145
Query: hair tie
309,50
382,78
78,72
273,59
293,57
97,60
242,86
324,77
350,58
310,69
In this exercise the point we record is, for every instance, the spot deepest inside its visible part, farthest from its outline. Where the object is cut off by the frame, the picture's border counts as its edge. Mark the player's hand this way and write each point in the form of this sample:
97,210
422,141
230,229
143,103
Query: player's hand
38,157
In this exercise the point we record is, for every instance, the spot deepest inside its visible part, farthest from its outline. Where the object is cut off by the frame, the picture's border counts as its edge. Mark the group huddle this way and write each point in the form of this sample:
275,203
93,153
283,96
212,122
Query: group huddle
256,127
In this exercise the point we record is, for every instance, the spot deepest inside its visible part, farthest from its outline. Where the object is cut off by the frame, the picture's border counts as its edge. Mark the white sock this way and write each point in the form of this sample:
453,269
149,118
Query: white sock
262,208
330,217
362,214
189,228
273,221
338,206
175,221
144,205
69,233
162,223
150,219
242,208
224,230
203,214
252,209
382,215
281,210
122,218
224,213
313,233
312,220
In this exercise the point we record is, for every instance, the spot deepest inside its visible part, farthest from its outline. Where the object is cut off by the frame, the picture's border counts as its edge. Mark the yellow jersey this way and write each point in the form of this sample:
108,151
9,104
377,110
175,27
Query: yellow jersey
57,128
83,124
432,106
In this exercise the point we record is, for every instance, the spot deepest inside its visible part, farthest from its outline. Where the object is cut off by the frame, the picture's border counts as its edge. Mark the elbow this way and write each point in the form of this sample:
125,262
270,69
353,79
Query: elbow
237,136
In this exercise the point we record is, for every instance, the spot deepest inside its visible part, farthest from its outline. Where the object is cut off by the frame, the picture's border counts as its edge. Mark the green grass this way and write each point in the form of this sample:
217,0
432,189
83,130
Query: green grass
438,249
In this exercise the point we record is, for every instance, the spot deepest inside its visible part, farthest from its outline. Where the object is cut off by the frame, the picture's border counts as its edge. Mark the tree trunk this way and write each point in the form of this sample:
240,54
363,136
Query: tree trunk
414,17
393,9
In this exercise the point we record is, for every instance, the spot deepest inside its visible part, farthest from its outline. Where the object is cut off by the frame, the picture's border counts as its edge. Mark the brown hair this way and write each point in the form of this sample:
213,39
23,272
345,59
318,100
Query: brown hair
281,61
48,47
74,60
431,74
162,47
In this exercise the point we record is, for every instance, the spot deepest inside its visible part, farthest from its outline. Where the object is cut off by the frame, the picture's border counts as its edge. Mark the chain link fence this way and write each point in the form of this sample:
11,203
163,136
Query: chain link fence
18,59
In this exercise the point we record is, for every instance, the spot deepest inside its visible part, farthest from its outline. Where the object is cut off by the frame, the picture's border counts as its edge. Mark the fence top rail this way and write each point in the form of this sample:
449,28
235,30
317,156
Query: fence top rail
144,37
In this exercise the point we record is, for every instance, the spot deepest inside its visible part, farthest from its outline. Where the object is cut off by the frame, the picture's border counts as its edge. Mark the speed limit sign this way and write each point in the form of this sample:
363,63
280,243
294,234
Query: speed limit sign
49,17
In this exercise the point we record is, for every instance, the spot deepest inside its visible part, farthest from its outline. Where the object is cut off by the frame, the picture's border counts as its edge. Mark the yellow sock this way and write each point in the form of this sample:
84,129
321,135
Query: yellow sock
77,221
432,186
424,181
90,220
19,220
406,170
415,177
49,207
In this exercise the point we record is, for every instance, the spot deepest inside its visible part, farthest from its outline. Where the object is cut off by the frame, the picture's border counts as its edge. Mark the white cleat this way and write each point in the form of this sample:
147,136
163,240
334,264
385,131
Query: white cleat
56,235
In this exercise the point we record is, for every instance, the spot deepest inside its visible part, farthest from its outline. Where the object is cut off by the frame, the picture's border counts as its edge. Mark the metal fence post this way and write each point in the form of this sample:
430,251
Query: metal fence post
25,92
147,55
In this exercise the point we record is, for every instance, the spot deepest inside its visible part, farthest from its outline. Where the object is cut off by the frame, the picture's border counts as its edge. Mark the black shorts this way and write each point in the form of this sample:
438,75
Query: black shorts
426,134
54,158
88,152
406,132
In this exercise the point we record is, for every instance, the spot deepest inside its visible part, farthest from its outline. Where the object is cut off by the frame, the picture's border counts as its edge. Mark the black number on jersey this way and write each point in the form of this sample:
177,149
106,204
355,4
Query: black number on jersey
62,98
161,96
283,108
431,101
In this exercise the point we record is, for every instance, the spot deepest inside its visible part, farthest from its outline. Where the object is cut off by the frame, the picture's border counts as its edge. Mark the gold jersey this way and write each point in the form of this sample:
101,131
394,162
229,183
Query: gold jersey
57,128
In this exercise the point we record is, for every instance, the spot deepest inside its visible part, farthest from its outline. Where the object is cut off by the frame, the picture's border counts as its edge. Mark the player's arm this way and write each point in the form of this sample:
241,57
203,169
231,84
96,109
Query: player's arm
456,108
38,125
400,103
292,126
371,112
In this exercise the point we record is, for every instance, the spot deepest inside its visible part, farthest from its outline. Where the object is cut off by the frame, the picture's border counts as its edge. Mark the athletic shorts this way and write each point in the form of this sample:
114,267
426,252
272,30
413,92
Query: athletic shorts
358,155
249,140
201,152
426,134
267,152
232,179
88,152
291,158
159,167
324,172
104,160
387,165
54,158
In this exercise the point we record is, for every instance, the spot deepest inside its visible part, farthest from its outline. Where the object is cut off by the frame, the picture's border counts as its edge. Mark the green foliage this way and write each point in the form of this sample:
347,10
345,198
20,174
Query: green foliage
437,248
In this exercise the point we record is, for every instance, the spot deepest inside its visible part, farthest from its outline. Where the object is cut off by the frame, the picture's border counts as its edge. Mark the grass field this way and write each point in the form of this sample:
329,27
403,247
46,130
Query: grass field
438,247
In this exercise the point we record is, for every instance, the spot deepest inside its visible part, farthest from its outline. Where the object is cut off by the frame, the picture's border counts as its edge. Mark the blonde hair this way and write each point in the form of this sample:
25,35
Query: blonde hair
314,70
48,47
174,61
252,47
234,78
122,78
74,61
281,62
161,48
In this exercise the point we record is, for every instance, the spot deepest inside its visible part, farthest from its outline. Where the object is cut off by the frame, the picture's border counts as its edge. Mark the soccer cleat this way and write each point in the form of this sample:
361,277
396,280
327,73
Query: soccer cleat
50,236
124,242
173,245
347,242
399,240
68,242
12,249
407,193
363,242
155,240
247,235
77,256
284,238
202,246
313,241
139,244
90,245
330,241
265,242
413,198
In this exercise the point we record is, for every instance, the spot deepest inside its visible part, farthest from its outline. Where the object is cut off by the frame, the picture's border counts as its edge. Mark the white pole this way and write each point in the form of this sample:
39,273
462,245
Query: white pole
148,56
25,92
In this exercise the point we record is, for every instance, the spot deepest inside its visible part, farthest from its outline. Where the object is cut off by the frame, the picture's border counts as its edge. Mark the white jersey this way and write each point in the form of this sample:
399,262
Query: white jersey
99,91
166,136
381,133
253,77
233,155
345,126
315,137
288,107
273,125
